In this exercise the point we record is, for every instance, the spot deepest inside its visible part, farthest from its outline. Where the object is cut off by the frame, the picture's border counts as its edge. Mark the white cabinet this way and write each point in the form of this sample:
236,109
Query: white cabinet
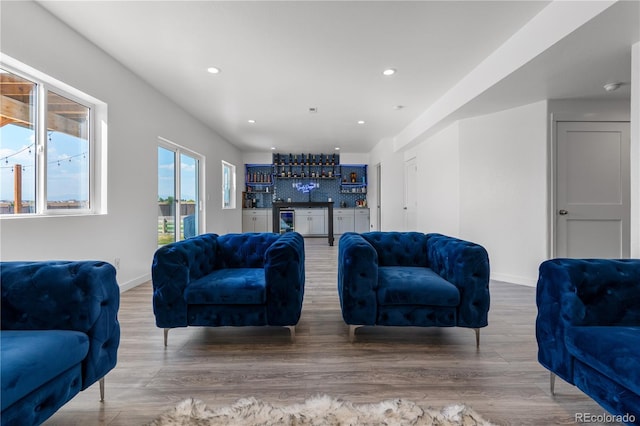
256,220
362,221
310,221
343,221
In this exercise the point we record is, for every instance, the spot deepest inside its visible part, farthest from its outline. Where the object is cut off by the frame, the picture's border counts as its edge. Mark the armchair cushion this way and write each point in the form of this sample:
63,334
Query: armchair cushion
24,368
238,286
608,356
407,285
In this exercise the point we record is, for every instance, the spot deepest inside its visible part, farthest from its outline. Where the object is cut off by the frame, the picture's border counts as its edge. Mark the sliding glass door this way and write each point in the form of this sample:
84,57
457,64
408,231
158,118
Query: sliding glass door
179,207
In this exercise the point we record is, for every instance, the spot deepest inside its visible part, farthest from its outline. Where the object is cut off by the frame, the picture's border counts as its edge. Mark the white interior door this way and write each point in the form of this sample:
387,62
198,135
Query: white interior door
410,195
592,190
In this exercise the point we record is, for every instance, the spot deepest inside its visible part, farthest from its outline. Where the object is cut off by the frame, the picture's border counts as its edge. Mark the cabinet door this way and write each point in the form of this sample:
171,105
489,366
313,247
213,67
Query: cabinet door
316,224
362,222
247,223
301,224
254,221
343,221
260,223
310,222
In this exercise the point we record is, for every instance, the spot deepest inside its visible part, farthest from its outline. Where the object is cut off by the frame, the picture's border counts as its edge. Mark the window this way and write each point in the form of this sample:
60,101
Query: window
228,185
48,148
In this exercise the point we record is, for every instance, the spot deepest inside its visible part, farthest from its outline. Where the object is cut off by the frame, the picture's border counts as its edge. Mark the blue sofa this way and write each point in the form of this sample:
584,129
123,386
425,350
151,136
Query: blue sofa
412,279
250,279
588,329
60,334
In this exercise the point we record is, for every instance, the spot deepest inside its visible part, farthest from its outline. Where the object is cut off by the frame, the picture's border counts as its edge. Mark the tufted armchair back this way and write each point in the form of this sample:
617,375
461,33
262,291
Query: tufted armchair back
604,292
66,295
243,250
399,248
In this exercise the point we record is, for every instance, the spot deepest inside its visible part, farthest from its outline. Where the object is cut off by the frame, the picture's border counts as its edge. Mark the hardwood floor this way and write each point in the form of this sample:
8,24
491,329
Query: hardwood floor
430,366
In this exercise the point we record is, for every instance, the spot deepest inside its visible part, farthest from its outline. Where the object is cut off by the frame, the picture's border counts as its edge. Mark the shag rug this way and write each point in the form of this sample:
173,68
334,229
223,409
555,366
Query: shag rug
318,410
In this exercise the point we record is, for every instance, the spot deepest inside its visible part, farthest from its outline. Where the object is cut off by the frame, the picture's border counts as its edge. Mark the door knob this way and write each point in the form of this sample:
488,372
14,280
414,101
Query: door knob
563,212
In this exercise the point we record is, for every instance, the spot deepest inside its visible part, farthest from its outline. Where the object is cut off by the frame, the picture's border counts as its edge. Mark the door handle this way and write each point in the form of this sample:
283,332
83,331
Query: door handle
563,212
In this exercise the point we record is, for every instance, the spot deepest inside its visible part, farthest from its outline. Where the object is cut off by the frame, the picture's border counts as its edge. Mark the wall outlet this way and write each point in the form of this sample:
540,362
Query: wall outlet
116,263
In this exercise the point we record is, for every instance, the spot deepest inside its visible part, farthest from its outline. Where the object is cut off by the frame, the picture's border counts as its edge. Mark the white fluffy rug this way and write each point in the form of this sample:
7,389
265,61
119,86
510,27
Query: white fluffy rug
318,410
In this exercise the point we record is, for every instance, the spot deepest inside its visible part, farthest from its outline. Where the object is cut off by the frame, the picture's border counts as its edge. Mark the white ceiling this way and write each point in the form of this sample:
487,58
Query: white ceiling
280,58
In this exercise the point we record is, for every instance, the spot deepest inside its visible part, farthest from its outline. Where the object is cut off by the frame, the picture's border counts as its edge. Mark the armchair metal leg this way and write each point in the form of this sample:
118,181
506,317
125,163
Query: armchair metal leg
477,330
292,332
166,335
552,383
101,382
352,332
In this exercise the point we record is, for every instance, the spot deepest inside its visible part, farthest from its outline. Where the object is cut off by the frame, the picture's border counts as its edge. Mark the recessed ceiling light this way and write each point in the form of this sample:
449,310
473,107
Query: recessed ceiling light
251,121
360,121
273,148
389,71
337,148
213,70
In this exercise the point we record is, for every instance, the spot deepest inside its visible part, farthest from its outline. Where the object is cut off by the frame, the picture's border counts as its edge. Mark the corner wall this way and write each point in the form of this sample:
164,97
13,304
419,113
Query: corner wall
138,115
503,189
483,179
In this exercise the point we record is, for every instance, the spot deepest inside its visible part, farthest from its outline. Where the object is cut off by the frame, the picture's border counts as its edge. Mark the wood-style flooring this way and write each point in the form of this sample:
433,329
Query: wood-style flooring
430,366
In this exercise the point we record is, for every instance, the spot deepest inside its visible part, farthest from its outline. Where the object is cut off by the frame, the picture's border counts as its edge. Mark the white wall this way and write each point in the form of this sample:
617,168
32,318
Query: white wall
138,115
438,160
503,189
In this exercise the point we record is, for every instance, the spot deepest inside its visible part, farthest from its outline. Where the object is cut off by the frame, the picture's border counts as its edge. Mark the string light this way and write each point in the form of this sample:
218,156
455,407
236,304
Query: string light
57,162
6,158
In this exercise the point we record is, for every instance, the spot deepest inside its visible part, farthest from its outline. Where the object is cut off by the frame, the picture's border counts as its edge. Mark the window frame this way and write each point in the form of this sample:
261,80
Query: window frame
231,188
96,138
200,207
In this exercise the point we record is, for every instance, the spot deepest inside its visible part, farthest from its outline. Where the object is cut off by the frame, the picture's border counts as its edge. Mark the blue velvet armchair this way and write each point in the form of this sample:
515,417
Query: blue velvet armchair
412,279
60,334
250,279
588,329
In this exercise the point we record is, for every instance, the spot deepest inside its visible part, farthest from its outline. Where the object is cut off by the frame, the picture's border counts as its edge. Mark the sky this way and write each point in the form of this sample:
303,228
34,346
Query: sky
166,179
67,167
67,164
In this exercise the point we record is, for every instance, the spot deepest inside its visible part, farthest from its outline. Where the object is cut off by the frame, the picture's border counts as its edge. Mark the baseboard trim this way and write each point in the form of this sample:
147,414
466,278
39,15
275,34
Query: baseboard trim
515,279
134,283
